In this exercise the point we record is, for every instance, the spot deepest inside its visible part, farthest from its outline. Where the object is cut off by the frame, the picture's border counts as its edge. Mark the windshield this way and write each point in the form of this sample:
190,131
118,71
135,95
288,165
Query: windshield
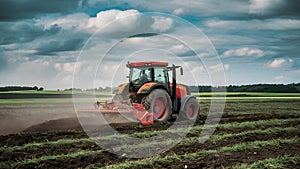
140,75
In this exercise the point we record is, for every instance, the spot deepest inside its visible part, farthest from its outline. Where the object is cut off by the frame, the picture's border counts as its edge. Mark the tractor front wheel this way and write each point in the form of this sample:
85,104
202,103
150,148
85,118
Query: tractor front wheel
159,103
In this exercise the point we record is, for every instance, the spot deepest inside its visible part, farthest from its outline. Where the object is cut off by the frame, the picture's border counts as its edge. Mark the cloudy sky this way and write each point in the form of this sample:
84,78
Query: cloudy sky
248,41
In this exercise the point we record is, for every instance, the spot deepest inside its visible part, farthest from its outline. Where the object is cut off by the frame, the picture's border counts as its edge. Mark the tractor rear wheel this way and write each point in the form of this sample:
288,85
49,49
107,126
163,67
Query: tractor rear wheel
159,103
191,109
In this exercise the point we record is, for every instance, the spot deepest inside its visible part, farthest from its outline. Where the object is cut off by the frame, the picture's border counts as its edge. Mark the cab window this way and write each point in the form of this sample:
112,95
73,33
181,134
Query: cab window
160,75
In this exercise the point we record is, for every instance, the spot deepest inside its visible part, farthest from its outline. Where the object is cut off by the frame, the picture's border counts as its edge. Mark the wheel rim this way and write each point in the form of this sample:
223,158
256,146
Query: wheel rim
159,108
191,111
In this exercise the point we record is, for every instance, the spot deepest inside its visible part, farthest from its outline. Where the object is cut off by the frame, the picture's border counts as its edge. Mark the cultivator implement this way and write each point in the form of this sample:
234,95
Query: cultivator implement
136,110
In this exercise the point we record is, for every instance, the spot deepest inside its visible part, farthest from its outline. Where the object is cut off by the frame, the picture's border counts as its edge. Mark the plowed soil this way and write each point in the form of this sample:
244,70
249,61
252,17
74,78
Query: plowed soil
69,128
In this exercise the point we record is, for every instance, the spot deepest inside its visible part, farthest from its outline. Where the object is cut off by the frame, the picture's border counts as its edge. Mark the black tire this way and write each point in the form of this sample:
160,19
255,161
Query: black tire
191,109
158,102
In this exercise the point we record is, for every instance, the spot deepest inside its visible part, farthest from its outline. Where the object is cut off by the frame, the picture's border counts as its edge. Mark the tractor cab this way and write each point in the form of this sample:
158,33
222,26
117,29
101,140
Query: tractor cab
145,72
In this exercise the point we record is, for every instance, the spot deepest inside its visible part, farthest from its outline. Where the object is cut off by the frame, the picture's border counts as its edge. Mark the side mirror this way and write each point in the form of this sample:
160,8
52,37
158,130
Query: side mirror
181,71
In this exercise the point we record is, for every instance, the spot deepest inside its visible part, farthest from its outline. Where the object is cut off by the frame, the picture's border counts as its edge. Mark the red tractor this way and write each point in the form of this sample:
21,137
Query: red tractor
151,96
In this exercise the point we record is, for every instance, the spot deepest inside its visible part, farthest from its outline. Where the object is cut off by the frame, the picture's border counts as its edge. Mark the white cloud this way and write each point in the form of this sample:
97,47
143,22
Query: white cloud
276,63
162,24
254,52
113,23
66,67
195,7
268,24
181,50
279,78
219,68
178,11
265,6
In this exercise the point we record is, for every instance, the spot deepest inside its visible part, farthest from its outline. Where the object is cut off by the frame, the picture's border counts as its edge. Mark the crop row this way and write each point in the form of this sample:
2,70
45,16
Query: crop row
184,142
148,162
193,130
214,138
277,162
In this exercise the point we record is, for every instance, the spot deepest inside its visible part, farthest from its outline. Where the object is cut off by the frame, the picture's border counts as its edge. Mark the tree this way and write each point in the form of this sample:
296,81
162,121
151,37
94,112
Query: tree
35,88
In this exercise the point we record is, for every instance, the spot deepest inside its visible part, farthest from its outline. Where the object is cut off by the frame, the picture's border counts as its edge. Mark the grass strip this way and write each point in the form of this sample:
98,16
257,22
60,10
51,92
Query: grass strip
258,131
174,157
185,141
193,130
167,158
214,138
258,123
51,157
279,162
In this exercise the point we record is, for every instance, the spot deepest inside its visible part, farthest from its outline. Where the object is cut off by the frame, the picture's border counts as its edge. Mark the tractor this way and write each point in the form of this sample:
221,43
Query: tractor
150,95
150,86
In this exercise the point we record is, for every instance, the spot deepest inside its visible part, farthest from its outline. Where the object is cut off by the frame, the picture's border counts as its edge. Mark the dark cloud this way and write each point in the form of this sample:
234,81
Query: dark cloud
143,35
291,7
22,32
280,8
3,60
52,47
187,53
20,9
93,7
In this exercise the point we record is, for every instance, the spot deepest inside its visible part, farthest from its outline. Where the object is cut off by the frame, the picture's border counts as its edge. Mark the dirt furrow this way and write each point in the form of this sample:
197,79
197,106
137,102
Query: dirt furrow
23,138
230,159
103,158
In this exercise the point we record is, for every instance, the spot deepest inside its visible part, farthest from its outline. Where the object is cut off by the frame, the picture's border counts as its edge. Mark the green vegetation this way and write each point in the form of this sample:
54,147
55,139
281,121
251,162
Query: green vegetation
36,100
259,131
47,100
202,97
51,157
170,158
36,92
245,94
214,138
19,88
279,162
238,107
258,123
278,88
55,92
193,130
155,159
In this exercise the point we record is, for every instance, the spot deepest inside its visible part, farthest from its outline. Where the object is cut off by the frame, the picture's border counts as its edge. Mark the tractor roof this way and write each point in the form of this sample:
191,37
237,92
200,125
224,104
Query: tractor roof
147,64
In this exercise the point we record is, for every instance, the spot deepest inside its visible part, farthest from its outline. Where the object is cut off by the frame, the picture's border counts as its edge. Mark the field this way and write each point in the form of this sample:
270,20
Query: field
257,130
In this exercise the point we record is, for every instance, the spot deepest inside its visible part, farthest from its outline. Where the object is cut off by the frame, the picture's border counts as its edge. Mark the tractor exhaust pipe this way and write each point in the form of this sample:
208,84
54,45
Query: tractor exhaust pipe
174,101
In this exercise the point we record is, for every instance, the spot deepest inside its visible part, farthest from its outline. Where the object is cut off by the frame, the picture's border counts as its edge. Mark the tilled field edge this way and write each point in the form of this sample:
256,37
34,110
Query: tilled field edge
188,146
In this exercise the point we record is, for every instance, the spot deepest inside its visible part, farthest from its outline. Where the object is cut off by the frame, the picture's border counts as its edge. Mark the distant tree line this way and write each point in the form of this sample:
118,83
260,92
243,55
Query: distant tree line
276,88
19,88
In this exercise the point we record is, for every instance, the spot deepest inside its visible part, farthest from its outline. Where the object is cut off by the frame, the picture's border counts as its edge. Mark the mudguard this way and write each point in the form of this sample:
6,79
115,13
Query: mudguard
148,87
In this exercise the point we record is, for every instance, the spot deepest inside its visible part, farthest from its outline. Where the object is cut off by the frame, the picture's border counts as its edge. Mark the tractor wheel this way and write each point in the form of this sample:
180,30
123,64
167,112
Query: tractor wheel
158,102
191,109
